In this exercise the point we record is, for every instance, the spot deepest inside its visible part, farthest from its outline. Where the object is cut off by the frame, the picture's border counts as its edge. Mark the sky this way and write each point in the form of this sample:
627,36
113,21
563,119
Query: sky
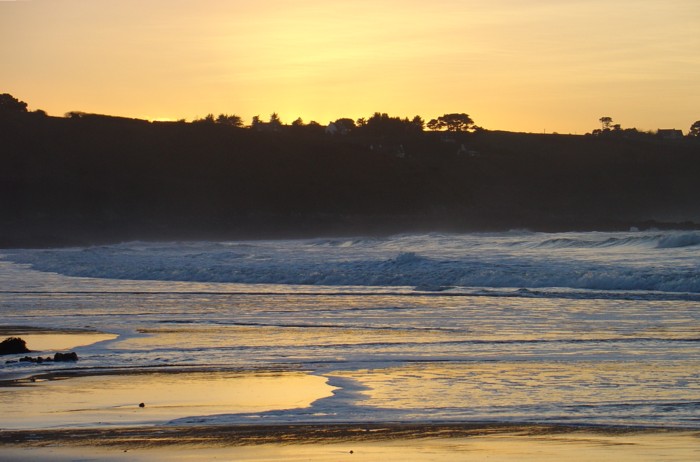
519,65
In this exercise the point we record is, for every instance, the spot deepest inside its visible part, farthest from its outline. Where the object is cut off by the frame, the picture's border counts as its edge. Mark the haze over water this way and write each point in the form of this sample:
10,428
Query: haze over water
586,328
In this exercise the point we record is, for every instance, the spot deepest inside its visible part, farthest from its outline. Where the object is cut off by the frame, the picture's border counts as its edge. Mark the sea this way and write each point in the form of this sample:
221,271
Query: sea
584,328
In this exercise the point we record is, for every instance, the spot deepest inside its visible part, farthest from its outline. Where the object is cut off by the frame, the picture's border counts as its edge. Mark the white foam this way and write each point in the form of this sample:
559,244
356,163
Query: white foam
635,261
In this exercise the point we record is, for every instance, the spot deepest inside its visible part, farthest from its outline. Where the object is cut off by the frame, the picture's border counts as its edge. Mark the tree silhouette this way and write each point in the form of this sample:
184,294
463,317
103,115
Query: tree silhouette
606,122
433,125
381,124
275,120
456,122
418,122
232,120
344,125
9,103
695,129
208,119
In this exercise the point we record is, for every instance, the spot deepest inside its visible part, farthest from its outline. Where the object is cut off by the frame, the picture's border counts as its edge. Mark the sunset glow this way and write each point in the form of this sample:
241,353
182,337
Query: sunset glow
542,65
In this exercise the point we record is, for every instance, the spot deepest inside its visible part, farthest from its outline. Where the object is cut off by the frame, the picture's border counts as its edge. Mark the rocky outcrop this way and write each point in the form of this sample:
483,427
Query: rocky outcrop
13,345
65,357
57,358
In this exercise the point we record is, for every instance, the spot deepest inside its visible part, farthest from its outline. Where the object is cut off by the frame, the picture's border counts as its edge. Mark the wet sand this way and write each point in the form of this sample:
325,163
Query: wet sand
394,442
77,399
32,440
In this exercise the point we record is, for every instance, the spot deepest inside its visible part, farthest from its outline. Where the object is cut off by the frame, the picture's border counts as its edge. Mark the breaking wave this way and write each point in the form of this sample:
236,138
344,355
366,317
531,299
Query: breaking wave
679,241
653,261
659,241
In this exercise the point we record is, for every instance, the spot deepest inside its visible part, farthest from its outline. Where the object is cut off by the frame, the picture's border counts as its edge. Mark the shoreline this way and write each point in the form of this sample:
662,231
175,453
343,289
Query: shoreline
305,433
389,443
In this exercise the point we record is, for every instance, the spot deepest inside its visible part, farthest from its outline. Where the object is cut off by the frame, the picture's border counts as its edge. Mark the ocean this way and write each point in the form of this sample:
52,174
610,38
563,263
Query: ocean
590,328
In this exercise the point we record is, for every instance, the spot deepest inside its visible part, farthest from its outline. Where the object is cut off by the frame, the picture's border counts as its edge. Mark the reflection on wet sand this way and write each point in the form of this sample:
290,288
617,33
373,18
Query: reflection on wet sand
52,342
115,399
40,339
491,388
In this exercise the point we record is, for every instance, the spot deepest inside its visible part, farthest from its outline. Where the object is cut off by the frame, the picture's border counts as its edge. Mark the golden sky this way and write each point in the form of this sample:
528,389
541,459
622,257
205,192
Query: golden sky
520,65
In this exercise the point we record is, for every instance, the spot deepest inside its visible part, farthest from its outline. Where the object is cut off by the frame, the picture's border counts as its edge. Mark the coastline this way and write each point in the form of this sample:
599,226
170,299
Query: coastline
410,376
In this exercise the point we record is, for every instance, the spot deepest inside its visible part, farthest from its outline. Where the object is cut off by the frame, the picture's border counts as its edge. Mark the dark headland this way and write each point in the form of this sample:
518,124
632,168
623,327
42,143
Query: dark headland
90,179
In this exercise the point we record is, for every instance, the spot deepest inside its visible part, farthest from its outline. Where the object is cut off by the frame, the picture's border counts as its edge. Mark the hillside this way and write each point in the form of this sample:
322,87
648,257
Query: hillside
99,179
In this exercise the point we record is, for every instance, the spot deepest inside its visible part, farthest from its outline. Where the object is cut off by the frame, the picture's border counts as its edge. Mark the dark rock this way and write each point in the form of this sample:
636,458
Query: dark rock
142,405
58,357
65,357
13,345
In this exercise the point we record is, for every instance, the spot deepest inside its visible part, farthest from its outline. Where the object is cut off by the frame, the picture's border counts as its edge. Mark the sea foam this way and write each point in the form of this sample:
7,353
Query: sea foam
666,262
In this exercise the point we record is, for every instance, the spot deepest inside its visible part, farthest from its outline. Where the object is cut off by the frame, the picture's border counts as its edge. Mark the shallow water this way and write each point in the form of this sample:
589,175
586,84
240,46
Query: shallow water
115,399
590,328
62,341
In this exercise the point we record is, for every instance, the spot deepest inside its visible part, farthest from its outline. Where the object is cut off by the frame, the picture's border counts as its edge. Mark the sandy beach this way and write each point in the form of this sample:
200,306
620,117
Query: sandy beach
395,442
55,417
74,415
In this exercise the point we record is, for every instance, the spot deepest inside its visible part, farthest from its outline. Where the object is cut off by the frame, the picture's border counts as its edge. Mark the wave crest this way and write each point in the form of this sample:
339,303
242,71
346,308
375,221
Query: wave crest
676,241
590,261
